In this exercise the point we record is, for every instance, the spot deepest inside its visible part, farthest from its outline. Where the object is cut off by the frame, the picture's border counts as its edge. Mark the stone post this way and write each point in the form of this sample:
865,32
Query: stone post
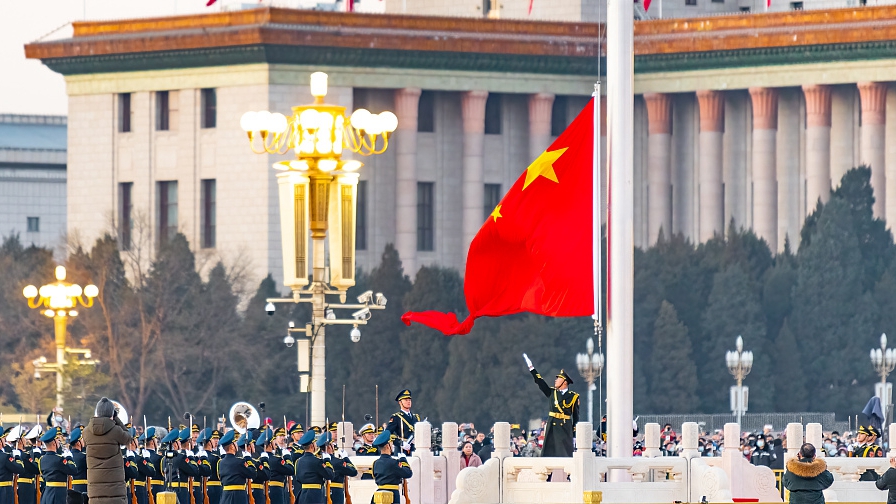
423,450
502,440
814,436
651,440
344,436
873,141
452,456
584,458
818,144
405,139
765,176
659,165
540,105
794,433
712,128
690,440
473,111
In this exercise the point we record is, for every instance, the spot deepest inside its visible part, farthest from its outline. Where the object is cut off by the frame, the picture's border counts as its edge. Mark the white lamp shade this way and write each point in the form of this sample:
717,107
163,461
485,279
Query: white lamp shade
294,227
341,229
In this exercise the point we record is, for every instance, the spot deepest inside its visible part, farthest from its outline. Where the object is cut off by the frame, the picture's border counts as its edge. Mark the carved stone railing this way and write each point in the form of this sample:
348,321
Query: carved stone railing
660,479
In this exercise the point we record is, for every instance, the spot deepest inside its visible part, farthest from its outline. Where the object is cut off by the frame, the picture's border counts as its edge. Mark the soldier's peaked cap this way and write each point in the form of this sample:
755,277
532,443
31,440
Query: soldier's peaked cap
367,429
872,431
562,374
184,434
296,428
75,435
382,439
172,436
227,438
324,439
307,438
48,436
404,394
862,430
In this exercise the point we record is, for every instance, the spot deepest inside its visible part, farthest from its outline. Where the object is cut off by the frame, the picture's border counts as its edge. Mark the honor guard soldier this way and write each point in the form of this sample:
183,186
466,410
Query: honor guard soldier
387,471
208,456
145,469
55,469
868,447
76,446
563,414
150,453
260,481
368,434
343,469
402,422
295,434
9,468
27,479
195,481
181,467
279,466
234,472
131,470
312,473
200,456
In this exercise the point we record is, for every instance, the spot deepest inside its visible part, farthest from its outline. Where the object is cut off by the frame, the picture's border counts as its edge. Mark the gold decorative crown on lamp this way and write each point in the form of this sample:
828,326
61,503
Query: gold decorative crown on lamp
60,298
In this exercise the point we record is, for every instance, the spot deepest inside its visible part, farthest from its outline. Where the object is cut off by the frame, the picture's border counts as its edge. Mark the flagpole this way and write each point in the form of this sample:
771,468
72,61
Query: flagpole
620,237
595,208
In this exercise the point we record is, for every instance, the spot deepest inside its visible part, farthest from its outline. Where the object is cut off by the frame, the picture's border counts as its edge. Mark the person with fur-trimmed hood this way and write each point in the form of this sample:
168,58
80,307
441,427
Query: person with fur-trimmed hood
807,477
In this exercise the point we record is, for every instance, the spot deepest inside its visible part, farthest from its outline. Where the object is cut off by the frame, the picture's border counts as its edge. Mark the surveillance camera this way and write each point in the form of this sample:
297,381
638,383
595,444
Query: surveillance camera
87,354
380,299
289,341
269,308
362,314
292,324
366,297
37,373
356,334
331,315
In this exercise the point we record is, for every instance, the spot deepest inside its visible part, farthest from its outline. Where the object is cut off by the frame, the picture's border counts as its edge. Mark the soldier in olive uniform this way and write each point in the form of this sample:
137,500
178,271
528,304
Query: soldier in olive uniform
387,471
234,472
563,414
28,460
402,422
208,457
8,470
55,469
868,447
343,469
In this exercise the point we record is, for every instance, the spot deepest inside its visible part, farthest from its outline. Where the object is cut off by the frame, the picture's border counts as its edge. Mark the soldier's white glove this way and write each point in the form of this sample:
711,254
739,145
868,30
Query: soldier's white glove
67,454
528,362
16,453
145,453
406,446
263,455
246,455
326,456
202,453
285,452
190,453
401,456
36,450
343,453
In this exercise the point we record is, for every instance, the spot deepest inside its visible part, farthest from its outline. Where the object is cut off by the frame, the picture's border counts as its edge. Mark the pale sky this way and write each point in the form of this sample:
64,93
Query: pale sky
27,86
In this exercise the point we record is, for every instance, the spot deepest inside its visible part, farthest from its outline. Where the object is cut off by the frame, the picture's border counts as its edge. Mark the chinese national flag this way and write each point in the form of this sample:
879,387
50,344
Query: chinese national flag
533,254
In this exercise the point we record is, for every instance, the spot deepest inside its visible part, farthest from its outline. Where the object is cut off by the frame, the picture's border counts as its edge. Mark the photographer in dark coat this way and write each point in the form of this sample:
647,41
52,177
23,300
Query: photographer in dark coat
104,435
807,477
887,481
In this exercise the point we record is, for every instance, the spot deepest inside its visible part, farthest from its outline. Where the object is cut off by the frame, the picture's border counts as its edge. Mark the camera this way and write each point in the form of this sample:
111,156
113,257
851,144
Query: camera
365,297
362,314
436,440
170,454
269,308
355,334
289,341
380,299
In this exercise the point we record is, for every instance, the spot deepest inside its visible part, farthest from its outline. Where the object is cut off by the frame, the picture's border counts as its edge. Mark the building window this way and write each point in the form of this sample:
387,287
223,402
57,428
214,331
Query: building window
361,218
163,111
124,112
558,115
167,211
426,112
425,213
690,2
493,114
208,212
745,9
209,108
125,218
492,198
796,5
33,224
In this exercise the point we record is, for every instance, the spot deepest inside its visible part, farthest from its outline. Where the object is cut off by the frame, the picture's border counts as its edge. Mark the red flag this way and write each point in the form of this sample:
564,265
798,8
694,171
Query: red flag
647,5
210,2
533,254
530,6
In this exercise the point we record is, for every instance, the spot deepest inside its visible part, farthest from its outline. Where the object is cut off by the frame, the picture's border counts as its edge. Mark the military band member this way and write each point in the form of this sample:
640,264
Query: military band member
311,472
76,446
368,434
131,470
8,470
182,467
279,465
343,469
234,472
208,457
563,414
23,454
55,469
387,471
402,422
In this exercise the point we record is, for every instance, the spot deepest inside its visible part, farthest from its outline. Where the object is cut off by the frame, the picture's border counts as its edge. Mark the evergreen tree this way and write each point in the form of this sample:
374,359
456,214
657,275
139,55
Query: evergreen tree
674,385
790,379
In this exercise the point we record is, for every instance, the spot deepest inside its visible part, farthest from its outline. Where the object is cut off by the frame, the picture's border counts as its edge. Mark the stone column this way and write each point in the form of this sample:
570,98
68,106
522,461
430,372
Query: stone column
659,167
473,111
712,128
818,144
540,105
405,139
765,176
874,121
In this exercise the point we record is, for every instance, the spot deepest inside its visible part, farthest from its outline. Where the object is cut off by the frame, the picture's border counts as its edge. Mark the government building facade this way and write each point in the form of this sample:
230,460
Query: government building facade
738,119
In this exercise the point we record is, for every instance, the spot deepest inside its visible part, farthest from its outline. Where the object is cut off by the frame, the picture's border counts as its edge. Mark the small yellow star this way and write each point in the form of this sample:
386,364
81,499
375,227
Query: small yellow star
543,166
496,213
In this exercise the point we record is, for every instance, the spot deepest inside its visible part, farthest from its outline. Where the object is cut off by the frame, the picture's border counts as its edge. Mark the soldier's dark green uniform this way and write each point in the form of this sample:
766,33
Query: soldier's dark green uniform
234,473
402,423
208,460
279,469
868,449
55,470
79,481
312,473
27,479
389,472
8,469
562,417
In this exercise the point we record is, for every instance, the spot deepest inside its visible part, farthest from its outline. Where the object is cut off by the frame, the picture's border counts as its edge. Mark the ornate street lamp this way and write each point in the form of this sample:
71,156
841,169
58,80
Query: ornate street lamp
590,366
739,364
318,196
60,301
884,360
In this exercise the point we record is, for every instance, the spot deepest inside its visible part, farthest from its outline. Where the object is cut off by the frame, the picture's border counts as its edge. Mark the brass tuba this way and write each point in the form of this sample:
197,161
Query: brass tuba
243,416
122,413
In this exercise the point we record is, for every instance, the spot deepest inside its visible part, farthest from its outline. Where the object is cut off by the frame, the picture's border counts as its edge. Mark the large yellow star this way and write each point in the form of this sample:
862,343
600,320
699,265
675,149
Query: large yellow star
543,166
496,213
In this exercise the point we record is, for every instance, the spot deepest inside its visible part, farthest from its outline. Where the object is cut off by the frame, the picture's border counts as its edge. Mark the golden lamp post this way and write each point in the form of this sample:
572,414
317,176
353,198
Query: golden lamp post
59,301
317,193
